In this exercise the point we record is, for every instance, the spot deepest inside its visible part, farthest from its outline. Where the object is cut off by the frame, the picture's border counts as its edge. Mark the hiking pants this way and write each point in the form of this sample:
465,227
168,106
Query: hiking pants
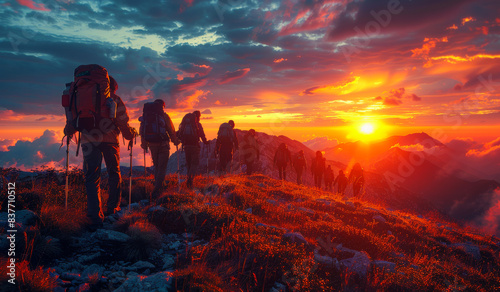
282,171
317,179
160,154
225,157
299,174
328,185
250,166
192,160
92,160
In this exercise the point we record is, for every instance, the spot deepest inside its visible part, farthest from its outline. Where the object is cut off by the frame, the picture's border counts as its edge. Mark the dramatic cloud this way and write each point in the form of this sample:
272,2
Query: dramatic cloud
230,76
394,97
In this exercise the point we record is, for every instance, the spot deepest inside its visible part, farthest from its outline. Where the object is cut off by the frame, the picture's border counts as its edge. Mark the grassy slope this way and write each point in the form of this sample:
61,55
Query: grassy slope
252,257
240,254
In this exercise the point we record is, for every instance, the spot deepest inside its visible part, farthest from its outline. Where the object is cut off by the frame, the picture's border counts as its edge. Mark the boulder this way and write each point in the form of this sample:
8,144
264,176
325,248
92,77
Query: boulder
141,265
158,282
379,218
110,236
295,237
359,264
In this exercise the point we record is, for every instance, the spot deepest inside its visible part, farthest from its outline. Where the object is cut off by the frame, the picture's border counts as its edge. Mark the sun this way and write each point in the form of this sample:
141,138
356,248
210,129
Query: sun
367,128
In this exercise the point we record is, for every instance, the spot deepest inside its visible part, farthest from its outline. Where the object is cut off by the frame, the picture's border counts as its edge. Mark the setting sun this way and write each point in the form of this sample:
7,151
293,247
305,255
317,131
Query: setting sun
367,128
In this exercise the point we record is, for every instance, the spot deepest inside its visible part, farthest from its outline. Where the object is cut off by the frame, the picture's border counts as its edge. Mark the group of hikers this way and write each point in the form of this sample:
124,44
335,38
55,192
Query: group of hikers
98,115
320,172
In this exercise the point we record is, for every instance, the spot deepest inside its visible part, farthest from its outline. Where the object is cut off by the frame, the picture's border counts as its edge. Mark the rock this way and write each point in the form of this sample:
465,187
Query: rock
379,218
142,265
156,208
249,210
27,217
71,277
175,245
85,287
119,274
132,274
110,236
308,211
388,266
24,218
158,282
295,237
389,232
350,204
272,202
278,287
326,260
91,271
89,258
168,262
261,185
270,226
470,249
359,264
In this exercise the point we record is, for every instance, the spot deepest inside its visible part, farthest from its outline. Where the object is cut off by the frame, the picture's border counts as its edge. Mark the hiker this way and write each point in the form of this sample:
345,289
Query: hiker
281,158
226,145
99,128
190,132
299,163
356,177
329,176
250,150
157,131
341,182
318,168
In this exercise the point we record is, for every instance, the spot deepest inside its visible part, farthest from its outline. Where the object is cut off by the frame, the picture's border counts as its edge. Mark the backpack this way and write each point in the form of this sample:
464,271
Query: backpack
299,160
89,95
188,131
281,156
154,125
225,134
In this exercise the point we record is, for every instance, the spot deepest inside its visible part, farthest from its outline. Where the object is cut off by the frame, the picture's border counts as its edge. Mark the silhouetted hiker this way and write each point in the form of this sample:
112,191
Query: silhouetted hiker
250,150
356,177
341,181
281,158
329,176
157,130
299,163
318,168
226,145
190,132
99,126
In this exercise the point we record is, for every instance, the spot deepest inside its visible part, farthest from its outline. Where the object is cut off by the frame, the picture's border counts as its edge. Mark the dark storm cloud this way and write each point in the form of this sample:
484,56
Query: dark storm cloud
391,16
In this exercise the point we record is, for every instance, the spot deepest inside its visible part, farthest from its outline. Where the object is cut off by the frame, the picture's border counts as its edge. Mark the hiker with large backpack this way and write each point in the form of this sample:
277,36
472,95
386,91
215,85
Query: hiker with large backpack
299,163
95,111
281,159
157,131
341,182
329,177
250,150
318,168
190,132
226,145
356,177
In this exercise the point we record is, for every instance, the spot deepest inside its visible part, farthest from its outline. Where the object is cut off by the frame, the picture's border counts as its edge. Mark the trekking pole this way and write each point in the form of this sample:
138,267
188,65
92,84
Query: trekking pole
145,172
130,146
178,169
66,190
